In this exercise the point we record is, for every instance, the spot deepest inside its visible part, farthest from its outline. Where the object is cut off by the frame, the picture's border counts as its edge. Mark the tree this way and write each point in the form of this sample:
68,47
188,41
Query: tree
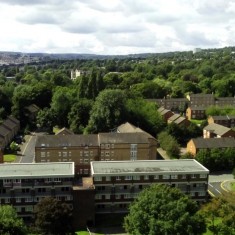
10,223
219,214
53,217
79,115
162,210
108,111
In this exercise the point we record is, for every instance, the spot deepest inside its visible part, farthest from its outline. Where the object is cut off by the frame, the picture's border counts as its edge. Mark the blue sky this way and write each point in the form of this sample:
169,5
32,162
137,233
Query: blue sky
115,26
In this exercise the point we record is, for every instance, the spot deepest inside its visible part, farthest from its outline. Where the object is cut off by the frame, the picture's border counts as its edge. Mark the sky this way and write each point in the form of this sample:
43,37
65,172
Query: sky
115,27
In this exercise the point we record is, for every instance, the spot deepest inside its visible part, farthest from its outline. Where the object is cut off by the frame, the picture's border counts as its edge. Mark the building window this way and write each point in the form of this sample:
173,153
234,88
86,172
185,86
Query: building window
98,178
81,160
128,177
57,179
7,200
156,177
136,177
108,178
86,160
28,199
70,154
65,154
165,177
146,177
80,153
86,171
126,196
98,196
106,154
134,147
174,176
18,199
118,178
43,154
68,198
107,196
59,153
48,154
29,208
117,196
203,176
193,176
201,194
183,176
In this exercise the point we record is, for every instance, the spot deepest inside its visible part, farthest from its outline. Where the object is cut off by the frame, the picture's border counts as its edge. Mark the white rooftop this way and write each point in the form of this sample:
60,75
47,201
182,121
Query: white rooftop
147,167
34,170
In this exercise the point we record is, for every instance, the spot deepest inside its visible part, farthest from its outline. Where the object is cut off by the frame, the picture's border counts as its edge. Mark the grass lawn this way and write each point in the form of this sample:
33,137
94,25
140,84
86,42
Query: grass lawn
9,157
197,122
233,186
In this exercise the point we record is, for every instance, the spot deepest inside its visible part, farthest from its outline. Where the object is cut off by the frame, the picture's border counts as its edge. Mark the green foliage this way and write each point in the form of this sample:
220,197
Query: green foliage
170,144
161,210
53,217
10,223
9,157
79,115
219,214
14,147
217,159
144,115
108,111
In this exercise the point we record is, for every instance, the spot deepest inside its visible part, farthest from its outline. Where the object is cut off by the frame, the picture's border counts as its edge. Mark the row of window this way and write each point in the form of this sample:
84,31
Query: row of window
36,199
135,195
146,177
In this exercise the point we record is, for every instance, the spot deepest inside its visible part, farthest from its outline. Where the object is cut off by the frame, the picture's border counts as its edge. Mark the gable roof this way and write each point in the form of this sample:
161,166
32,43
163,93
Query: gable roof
217,129
174,117
209,143
8,123
64,130
13,119
225,117
4,131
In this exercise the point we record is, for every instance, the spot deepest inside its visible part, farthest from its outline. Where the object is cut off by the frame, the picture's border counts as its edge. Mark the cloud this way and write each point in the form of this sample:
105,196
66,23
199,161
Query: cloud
116,26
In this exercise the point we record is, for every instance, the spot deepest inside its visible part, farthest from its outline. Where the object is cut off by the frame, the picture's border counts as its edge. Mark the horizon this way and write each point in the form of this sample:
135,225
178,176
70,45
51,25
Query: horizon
115,28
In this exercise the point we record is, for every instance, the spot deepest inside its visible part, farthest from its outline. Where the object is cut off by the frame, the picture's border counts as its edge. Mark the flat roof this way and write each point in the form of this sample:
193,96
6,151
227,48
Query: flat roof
34,170
147,167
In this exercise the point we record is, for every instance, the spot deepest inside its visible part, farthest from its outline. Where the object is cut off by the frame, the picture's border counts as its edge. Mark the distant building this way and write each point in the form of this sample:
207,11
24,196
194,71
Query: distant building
214,130
165,113
198,112
76,73
196,50
196,144
227,120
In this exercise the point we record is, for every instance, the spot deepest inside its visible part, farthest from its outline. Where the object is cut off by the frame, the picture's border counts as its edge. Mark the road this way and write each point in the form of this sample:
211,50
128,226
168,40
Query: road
215,186
28,149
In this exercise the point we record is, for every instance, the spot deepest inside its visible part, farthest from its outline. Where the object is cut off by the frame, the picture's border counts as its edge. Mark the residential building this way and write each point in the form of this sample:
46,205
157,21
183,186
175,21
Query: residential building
173,104
196,113
228,120
31,111
225,101
196,144
8,129
24,185
165,113
118,183
82,149
214,130
204,100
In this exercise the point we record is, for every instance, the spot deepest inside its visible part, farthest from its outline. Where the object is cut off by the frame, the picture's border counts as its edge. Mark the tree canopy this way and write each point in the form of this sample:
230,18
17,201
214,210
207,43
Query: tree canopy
53,217
10,223
162,210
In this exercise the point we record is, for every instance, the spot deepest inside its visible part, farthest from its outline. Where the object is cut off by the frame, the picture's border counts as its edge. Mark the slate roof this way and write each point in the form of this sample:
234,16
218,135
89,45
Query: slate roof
129,138
209,143
8,123
225,117
66,140
128,128
4,131
174,117
217,129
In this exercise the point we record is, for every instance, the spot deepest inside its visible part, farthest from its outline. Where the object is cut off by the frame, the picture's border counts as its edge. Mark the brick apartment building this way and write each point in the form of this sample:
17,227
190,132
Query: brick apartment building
116,184
82,149
24,185
228,120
